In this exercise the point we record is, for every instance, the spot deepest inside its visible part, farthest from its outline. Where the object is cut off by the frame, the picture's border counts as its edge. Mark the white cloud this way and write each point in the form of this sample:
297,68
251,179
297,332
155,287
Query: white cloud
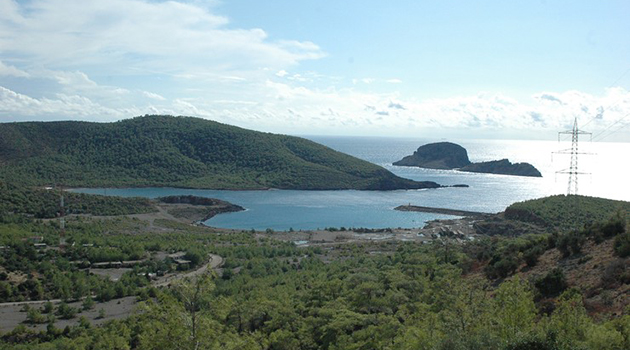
6,70
289,107
153,95
17,106
395,105
104,60
548,97
139,33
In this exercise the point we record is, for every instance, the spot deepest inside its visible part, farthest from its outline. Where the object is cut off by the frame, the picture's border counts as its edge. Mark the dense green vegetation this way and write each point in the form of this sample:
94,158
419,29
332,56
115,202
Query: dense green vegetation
272,294
566,212
179,152
45,203
286,298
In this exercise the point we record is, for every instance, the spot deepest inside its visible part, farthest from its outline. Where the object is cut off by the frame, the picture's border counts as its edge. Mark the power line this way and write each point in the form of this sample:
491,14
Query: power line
596,137
623,75
601,112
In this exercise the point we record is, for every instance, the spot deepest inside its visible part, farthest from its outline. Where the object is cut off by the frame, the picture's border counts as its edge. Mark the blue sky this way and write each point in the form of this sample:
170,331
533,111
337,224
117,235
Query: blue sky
501,69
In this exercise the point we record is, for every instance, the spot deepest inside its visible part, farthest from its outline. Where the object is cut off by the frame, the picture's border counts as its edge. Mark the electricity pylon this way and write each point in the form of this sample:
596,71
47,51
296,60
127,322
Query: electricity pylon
573,168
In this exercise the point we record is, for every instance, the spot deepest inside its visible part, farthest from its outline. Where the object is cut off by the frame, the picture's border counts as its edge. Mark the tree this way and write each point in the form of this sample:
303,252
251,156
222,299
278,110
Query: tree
182,319
88,303
514,308
48,307
65,311
569,321
35,316
552,284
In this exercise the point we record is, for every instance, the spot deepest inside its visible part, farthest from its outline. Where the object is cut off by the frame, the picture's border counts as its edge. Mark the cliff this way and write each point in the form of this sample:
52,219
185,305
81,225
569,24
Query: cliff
503,167
441,155
447,155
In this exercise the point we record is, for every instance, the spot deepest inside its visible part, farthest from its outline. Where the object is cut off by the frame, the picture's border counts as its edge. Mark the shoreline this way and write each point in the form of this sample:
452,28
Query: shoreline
77,189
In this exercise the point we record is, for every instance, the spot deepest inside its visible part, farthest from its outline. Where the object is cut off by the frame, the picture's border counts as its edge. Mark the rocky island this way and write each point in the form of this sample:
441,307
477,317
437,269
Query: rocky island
448,155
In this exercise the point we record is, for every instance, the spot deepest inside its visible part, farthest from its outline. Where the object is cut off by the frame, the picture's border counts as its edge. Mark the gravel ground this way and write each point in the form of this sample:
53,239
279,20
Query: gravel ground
11,316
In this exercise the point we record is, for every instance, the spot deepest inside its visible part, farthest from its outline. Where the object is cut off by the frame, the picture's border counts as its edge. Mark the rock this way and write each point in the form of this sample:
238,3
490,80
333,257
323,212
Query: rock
440,155
447,155
504,167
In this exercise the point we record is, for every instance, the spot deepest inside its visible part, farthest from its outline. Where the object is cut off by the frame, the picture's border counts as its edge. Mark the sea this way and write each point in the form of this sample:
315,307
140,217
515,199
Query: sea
603,169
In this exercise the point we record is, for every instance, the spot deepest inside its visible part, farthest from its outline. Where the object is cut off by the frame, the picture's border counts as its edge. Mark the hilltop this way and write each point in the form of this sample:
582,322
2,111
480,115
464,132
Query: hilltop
180,152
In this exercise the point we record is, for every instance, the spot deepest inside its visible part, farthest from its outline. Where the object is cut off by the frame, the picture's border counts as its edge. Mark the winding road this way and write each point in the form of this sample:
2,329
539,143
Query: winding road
214,263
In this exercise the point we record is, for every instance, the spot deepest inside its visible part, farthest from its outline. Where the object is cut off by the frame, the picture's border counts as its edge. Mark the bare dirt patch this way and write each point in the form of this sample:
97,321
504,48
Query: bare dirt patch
11,316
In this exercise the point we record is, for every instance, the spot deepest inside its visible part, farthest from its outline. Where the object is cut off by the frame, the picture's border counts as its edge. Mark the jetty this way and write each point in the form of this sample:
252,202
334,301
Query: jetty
446,211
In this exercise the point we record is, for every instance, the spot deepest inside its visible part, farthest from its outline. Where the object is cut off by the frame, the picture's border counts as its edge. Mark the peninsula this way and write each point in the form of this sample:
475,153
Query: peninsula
447,155
185,152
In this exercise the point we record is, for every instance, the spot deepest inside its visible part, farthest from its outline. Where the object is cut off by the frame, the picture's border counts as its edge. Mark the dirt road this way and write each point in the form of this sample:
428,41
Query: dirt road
214,262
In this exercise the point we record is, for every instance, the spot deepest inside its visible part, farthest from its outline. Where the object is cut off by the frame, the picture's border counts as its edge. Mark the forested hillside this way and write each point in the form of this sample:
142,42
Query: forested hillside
45,203
180,152
558,290
566,212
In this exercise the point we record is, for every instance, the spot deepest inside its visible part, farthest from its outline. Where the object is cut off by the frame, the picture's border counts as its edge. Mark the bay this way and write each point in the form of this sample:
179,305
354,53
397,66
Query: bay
307,210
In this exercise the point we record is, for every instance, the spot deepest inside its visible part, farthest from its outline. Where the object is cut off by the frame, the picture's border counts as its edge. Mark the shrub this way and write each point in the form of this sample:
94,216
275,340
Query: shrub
533,342
616,225
532,254
34,316
552,284
65,311
615,274
571,243
48,307
502,266
622,245
88,303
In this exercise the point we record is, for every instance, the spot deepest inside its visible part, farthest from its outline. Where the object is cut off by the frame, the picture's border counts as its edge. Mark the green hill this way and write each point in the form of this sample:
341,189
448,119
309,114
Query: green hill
179,152
566,212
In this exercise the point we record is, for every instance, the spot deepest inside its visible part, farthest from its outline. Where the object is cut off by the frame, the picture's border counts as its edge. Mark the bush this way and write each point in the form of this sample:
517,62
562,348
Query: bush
88,303
616,274
502,267
195,256
533,343
571,243
532,254
616,225
34,316
622,245
552,284
48,307
65,311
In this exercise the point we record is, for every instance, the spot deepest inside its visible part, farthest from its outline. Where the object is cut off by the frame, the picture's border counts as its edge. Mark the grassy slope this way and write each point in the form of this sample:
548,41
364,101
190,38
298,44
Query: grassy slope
566,212
181,152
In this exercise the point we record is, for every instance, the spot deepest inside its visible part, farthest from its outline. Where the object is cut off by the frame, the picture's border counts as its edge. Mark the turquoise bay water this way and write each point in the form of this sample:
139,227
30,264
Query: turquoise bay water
283,209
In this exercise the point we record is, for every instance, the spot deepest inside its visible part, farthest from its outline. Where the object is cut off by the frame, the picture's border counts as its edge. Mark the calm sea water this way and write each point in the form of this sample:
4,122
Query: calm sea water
282,209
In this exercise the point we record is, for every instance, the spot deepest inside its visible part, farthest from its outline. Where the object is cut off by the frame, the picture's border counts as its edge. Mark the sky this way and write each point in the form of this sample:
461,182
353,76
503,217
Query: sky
459,69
